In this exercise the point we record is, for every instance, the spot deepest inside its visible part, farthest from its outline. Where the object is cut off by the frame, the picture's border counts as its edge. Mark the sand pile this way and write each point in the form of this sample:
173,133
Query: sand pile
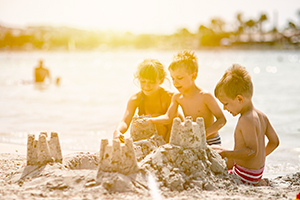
186,168
81,160
54,181
187,162
178,168
142,148
87,160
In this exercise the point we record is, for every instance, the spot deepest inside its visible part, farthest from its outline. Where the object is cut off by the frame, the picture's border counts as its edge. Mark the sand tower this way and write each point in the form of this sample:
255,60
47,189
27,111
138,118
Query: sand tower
140,129
188,134
43,150
117,157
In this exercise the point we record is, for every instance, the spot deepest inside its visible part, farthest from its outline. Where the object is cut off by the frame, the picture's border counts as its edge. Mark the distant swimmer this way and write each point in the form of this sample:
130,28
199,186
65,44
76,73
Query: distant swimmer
41,73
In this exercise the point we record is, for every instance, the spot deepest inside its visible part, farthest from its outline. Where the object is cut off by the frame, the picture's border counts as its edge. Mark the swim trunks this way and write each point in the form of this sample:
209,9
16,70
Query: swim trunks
248,176
214,140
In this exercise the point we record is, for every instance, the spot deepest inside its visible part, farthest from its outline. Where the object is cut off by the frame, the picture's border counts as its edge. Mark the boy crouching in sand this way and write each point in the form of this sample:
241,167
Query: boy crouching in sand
247,160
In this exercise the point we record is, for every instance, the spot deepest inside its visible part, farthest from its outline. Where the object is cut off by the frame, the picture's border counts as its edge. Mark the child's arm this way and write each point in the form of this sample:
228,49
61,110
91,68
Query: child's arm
246,140
272,137
170,114
217,112
125,122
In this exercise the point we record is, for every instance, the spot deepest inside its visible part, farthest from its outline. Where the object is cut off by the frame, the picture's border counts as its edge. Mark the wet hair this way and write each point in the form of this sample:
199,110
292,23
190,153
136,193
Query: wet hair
235,81
150,69
185,59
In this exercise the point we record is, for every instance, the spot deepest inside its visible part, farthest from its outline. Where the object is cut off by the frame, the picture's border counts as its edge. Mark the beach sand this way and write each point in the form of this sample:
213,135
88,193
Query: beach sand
56,181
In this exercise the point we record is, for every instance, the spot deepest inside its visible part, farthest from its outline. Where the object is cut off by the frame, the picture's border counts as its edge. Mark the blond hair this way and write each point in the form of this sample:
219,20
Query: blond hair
185,59
150,69
235,81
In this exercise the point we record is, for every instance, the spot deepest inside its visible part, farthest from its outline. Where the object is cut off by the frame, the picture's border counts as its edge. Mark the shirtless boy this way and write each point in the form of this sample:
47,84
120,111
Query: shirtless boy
247,159
194,101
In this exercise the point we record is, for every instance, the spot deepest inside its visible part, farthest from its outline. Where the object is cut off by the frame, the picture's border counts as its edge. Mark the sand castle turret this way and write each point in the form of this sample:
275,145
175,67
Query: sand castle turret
140,129
188,134
43,150
117,157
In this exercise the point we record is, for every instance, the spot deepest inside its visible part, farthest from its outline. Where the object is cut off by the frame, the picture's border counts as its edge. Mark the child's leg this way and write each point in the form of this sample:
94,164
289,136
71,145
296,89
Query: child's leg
230,163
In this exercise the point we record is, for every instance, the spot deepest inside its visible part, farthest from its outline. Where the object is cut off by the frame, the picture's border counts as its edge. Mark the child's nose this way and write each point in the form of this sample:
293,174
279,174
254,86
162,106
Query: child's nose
148,85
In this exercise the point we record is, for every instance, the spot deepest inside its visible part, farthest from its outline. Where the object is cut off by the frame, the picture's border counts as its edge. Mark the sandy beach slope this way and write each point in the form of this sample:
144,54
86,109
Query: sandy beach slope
55,181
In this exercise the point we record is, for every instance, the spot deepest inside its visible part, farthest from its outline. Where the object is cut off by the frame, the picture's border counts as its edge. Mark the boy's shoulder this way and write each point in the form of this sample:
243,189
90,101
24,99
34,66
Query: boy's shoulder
166,92
251,117
176,95
206,94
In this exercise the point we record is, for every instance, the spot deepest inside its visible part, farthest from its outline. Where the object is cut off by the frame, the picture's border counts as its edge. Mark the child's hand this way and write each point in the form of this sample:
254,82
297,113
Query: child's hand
223,153
220,150
117,134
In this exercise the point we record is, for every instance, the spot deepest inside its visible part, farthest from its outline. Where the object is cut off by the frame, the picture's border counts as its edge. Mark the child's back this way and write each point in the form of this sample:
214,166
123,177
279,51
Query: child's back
247,159
253,121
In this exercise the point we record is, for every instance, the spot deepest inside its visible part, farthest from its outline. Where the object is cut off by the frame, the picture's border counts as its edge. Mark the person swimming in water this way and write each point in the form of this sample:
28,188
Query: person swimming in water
41,73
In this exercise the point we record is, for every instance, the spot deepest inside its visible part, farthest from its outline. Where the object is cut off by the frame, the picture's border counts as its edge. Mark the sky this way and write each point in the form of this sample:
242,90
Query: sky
143,16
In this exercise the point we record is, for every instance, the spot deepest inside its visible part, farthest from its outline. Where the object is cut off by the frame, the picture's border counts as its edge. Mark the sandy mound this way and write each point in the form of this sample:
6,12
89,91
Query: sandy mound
144,147
178,168
81,160
87,160
189,171
58,182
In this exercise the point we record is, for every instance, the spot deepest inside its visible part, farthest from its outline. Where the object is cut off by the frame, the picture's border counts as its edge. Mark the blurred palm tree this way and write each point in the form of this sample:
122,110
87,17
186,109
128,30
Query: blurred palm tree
241,25
292,26
217,25
263,17
250,24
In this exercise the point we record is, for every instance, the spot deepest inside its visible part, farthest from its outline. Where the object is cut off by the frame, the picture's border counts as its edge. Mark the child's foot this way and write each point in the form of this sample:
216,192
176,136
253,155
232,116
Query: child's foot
263,182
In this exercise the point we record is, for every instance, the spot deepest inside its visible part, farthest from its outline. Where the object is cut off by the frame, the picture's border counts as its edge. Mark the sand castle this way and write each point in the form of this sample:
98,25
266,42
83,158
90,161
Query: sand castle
187,161
43,150
141,130
188,134
121,158
117,157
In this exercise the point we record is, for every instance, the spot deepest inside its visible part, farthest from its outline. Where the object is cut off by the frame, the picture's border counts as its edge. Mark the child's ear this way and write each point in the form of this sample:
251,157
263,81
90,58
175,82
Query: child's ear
240,98
194,75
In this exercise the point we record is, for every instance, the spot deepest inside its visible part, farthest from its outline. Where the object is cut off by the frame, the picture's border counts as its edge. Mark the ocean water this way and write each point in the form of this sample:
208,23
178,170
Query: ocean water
95,87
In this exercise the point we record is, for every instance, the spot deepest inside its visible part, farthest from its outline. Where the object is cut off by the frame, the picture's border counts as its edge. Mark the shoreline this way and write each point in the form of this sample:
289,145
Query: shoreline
203,48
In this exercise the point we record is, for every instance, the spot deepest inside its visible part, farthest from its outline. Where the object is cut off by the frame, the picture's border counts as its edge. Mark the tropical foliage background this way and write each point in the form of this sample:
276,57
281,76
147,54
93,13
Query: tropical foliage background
243,33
